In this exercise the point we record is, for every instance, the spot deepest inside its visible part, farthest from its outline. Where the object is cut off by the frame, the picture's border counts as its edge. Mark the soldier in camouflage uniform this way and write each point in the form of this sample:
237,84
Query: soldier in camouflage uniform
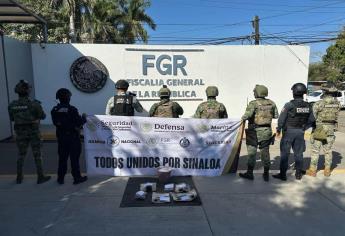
165,108
211,109
123,103
259,114
26,115
326,114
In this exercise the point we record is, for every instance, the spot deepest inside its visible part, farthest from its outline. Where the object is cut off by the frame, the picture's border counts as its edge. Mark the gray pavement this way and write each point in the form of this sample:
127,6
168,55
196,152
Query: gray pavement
231,206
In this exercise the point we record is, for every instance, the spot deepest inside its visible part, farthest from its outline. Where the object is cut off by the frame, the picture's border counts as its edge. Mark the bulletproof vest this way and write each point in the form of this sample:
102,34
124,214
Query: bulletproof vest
211,110
22,111
165,110
123,106
63,118
263,112
298,115
329,112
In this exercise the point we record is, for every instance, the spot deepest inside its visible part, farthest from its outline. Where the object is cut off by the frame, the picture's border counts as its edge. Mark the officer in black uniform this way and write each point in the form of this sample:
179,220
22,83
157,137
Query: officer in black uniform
123,103
294,119
68,123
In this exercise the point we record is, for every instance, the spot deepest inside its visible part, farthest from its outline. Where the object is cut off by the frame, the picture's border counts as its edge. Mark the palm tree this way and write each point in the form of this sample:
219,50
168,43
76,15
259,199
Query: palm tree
132,19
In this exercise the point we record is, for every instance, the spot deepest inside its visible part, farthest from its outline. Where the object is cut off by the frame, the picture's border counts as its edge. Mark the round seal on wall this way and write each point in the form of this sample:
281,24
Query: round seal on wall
88,74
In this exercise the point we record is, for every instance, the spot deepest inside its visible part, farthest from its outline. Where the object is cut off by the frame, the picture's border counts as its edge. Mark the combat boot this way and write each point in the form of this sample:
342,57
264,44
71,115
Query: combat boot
298,174
42,179
19,179
79,180
327,172
266,175
311,172
248,175
281,176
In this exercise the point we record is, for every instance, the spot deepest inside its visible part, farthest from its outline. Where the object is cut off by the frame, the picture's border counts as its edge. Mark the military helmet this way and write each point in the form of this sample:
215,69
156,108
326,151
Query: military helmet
260,91
122,84
211,91
22,87
164,92
299,89
63,94
330,89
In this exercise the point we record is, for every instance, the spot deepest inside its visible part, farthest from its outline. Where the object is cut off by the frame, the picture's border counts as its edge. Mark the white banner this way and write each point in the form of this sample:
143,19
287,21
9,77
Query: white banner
126,146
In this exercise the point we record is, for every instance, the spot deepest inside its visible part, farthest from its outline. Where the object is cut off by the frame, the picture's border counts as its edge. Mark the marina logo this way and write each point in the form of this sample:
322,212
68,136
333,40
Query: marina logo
184,142
221,128
146,127
113,141
203,128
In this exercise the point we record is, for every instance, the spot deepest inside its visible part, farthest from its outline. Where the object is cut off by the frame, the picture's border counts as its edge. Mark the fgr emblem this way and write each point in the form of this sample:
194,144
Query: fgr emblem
88,74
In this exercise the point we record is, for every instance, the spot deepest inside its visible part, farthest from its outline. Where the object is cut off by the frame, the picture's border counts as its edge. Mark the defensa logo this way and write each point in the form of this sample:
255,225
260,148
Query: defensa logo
167,127
146,127
165,64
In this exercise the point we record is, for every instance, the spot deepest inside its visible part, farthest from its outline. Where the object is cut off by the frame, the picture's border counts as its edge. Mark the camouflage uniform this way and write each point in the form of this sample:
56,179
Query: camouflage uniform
26,113
165,108
211,109
326,113
259,114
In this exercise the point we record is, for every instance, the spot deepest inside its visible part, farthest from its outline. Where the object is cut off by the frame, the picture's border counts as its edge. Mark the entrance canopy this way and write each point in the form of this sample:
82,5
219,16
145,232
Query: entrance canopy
14,12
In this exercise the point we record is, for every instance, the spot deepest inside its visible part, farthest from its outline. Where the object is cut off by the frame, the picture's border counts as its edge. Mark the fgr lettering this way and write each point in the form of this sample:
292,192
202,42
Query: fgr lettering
164,64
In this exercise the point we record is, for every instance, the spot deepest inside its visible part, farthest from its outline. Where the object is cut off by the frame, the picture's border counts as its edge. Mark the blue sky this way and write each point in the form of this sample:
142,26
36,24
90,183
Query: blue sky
281,22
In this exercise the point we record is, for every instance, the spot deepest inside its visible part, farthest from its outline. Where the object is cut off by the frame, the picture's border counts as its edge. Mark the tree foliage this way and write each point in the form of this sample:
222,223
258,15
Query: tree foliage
91,21
332,67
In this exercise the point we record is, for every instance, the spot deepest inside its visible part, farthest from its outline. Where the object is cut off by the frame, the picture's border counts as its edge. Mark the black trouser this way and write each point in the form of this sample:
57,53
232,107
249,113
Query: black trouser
69,146
292,138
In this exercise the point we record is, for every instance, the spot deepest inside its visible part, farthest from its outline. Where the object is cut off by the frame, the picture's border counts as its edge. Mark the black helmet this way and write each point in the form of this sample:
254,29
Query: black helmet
22,88
299,89
122,84
63,94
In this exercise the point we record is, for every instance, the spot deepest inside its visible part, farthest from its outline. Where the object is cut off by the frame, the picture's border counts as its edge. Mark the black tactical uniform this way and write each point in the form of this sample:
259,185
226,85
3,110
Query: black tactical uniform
294,119
68,123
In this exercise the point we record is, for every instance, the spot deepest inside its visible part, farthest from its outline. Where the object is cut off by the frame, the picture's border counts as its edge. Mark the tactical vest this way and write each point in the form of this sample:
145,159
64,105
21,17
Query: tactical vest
123,106
165,110
298,115
211,111
22,111
62,117
263,112
329,112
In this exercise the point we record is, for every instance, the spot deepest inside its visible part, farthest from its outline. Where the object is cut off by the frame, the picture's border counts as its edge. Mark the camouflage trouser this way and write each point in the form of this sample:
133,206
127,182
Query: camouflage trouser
264,156
327,149
26,135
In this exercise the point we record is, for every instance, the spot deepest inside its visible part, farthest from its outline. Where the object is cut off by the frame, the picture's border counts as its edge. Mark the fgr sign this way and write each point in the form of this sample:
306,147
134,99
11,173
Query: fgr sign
149,70
165,64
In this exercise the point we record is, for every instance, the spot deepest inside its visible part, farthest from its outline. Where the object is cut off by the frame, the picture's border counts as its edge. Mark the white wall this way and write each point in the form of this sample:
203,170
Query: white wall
234,69
5,125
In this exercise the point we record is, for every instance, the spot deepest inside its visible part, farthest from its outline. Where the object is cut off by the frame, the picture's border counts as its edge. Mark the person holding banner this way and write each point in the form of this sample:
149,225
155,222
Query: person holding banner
123,103
294,119
259,114
68,123
211,109
165,108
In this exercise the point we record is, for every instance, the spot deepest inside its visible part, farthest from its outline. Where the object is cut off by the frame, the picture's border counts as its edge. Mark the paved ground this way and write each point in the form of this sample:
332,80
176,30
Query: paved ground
231,206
